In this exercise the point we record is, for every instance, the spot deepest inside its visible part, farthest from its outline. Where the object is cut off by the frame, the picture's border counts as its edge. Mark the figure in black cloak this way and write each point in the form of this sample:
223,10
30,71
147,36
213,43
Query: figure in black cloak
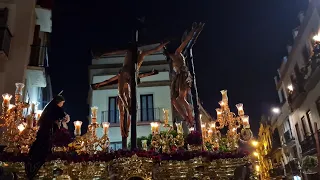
48,124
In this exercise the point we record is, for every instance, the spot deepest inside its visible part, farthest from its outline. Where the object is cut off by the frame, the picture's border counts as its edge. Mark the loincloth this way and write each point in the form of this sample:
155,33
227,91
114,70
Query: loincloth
181,81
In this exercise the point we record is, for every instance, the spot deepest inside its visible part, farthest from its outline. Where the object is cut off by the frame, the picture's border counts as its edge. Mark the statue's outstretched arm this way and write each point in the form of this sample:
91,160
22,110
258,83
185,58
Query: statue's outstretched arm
186,41
118,52
111,81
148,52
195,31
153,72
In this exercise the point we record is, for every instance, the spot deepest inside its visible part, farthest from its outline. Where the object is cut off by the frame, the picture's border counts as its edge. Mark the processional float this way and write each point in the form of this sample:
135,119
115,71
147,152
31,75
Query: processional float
203,153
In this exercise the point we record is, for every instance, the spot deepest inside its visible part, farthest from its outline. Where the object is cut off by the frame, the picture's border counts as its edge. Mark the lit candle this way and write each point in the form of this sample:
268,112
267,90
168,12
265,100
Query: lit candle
6,100
77,128
19,88
154,127
38,112
166,116
219,113
21,127
144,144
240,109
191,129
213,126
105,126
224,95
94,111
179,128
210,133
245,120
33,107
203,125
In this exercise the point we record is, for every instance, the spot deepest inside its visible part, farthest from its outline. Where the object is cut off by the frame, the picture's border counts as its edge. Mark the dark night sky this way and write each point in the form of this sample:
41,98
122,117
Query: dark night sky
239,49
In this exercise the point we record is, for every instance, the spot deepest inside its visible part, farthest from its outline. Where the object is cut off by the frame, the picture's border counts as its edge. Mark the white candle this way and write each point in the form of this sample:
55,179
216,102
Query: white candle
77,128
154,127
245,120
105,126
6,100
94,111
179,128
240,109
33,107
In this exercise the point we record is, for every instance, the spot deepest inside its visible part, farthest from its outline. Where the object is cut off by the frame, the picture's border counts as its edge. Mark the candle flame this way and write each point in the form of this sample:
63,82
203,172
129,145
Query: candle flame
21,127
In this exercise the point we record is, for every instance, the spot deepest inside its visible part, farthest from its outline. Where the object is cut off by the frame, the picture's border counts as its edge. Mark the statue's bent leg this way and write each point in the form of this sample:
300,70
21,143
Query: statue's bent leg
121,89
179,108
182,99
121,114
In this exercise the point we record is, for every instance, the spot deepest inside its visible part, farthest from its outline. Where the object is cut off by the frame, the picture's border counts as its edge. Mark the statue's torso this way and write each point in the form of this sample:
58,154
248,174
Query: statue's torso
178,62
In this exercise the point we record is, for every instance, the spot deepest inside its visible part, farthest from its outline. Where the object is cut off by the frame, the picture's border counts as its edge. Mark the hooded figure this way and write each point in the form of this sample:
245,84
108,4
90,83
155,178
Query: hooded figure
41,147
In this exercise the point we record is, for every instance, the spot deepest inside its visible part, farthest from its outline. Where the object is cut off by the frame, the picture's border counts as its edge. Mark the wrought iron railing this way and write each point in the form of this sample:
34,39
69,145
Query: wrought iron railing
288,137
308,145
143,115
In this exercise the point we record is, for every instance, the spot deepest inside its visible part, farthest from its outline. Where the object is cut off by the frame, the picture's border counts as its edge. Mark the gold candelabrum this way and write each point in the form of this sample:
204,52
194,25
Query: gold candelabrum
90,143
226,118
17,135
166,140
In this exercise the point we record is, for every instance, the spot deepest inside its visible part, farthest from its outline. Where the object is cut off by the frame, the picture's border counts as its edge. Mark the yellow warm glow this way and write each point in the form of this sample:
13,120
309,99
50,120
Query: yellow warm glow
21,127
254,143
257,168
255,154
290,87
316,37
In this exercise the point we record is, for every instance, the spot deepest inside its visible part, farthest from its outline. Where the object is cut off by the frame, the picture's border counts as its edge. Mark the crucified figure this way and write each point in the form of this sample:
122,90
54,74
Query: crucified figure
123,79
182,79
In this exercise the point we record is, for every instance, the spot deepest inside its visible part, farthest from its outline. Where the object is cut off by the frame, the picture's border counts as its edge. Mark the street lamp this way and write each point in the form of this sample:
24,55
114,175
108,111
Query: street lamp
275,110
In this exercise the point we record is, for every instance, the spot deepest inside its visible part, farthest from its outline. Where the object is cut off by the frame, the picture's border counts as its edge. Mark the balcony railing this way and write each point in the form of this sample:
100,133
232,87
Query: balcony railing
143,115
308,145
288,137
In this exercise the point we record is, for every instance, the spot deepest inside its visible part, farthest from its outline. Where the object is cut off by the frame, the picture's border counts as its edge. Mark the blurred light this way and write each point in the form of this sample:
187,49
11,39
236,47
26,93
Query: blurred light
316,38
290,87
257,168
254,143
255,154
276,110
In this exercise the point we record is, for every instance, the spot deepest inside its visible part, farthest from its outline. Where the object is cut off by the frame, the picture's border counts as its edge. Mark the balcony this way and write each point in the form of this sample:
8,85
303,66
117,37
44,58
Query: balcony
38,56
288,137
308,145
144,116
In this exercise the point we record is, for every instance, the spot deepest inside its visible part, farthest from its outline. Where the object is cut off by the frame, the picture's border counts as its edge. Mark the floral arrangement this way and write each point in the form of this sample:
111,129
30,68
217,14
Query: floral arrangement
194,138
62,138
180,155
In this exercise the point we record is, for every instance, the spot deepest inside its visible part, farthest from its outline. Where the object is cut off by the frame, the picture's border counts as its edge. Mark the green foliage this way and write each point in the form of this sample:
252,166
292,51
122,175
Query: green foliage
223,145
139,141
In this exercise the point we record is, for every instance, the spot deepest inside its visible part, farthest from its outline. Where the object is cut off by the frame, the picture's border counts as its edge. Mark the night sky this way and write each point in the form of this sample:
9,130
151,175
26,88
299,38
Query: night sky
239,49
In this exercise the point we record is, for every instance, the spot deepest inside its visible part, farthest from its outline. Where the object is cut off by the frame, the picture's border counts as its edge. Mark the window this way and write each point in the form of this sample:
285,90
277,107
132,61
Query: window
310,121
281,95
113,115
318,105
115,146
147,107
298,132
303,123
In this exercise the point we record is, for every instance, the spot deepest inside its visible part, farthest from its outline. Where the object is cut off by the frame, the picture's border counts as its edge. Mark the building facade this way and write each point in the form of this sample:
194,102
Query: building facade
25,26
299,92
153,94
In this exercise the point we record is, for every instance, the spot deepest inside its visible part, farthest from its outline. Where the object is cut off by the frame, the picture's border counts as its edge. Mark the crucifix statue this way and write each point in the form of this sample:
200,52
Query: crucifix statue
123,79
182,79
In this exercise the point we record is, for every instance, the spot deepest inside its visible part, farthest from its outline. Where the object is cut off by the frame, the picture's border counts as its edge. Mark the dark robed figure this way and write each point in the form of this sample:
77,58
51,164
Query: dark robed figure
41,147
